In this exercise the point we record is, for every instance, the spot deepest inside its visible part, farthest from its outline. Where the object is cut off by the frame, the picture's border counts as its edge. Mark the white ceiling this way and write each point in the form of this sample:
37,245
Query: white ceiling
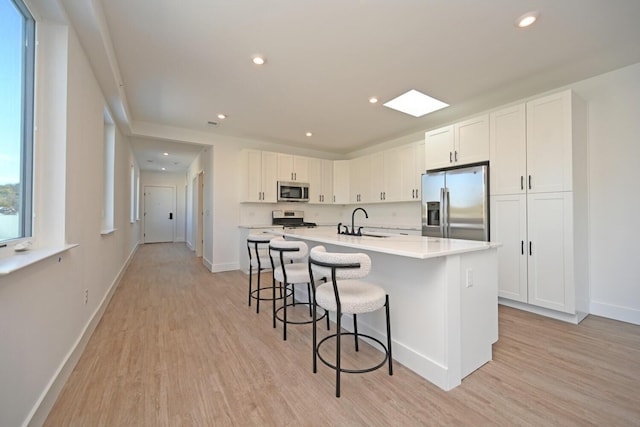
167,64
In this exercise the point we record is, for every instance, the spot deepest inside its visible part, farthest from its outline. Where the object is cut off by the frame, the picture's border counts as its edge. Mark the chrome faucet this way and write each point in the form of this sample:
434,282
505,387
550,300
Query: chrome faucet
353,228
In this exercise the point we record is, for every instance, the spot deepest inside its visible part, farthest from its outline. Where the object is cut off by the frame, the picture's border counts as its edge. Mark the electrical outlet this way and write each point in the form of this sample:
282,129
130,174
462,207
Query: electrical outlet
86,296
469,277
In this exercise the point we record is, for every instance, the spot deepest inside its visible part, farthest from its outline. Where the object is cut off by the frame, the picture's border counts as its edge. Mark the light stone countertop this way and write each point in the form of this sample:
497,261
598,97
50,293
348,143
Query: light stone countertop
393,244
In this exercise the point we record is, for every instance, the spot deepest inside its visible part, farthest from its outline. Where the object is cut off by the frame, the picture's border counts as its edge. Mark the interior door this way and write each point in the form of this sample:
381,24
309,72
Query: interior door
159,213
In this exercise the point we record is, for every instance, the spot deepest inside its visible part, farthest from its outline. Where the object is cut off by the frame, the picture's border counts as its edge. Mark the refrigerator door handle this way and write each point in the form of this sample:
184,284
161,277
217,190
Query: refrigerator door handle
444,212
447,213
443,218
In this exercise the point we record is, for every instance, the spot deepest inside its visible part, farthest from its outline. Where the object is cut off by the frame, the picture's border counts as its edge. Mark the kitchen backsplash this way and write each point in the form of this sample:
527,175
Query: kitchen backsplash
406,214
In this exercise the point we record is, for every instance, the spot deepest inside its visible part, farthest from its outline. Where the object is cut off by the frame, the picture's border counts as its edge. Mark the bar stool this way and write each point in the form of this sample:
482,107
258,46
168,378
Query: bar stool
344,294
290,268
258,248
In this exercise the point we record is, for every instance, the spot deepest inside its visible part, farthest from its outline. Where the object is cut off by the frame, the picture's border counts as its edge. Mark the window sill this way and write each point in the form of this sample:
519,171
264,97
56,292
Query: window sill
108,231
20,260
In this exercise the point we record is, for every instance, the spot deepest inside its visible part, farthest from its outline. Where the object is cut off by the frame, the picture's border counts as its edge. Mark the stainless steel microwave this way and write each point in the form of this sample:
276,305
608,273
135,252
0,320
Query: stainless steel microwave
293,191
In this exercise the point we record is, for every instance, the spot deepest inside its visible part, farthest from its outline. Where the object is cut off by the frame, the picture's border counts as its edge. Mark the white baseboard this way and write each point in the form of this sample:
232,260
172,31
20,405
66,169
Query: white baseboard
558,315
615,312
43,406
218,268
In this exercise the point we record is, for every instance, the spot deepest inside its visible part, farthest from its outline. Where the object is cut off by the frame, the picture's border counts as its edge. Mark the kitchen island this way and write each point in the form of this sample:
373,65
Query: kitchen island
443,296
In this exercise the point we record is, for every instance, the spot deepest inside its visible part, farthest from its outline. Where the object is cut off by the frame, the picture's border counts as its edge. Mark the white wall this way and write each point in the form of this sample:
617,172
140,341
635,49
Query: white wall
43,316
176,180
614,197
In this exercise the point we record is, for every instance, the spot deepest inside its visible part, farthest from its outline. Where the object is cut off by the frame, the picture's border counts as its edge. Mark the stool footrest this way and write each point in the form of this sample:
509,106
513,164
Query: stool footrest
299,322
385,351
255,294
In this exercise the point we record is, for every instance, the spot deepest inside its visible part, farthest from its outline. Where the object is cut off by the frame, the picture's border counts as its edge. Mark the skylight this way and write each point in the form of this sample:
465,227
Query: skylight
415,103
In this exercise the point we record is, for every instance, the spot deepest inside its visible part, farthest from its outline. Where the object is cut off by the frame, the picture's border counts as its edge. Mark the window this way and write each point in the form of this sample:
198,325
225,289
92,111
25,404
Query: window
17,56
108,209
132,194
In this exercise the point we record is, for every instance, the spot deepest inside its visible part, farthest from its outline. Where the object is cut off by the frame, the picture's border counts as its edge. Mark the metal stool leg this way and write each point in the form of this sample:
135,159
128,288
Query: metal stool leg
389,336
338,348
250,285
273,300
355,331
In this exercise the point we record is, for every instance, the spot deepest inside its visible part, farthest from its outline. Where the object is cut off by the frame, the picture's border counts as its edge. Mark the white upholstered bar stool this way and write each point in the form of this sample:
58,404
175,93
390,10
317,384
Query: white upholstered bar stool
345,294
290,268
258,248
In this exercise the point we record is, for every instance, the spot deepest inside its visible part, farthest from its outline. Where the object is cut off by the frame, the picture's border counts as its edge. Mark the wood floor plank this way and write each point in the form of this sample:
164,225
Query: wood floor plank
178,346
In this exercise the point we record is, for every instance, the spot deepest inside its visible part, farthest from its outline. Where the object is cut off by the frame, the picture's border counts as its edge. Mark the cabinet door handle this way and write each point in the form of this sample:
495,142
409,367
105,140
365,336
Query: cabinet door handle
529,182
522,182
450,157
530,251
413,194
455,156
522,247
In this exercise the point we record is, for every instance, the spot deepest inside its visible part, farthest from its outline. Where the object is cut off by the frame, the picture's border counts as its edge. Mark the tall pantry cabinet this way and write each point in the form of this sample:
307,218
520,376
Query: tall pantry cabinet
538,190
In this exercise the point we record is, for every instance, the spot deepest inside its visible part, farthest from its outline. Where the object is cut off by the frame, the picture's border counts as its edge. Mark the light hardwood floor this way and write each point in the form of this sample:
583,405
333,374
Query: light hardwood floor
178,346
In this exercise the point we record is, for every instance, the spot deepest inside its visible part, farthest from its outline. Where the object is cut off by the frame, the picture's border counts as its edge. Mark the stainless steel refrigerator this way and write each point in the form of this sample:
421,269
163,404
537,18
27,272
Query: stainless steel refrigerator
455,203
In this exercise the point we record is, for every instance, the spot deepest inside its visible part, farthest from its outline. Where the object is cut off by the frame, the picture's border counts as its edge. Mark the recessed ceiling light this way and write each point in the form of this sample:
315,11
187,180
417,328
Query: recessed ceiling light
164,169
309,134
165,154
222,116
415,103
258,60
527,19
373,100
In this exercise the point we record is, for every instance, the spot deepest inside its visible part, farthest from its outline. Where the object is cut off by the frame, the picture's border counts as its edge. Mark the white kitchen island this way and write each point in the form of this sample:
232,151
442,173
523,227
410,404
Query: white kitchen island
443,298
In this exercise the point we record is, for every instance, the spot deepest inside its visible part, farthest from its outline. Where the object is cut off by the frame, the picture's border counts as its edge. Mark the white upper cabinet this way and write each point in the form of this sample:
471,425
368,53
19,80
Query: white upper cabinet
293,168
549,143
360,180
538,147
259,175
459,144
392,175
411,161
438,147
320,181
508,140
341,182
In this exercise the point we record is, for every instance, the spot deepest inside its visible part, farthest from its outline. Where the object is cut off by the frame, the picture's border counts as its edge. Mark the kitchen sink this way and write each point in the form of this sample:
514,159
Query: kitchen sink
382,236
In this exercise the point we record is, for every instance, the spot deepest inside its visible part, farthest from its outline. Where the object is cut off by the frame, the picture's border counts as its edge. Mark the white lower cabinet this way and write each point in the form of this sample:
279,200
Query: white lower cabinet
509,227
540,255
